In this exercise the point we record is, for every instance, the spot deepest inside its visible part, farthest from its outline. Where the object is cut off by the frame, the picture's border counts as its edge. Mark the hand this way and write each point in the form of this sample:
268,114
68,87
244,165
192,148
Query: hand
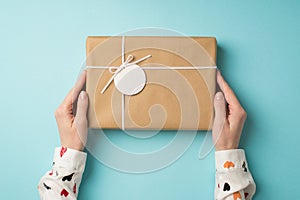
229,120
73,128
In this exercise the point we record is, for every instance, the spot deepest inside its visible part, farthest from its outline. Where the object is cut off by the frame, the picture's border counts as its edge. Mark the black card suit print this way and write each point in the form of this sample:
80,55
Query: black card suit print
68,178
246,194
244,166
46,186
226,187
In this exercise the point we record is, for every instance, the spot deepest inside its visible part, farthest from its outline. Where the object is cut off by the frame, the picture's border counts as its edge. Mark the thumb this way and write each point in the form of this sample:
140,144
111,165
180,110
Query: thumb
82,106
81,118
220,112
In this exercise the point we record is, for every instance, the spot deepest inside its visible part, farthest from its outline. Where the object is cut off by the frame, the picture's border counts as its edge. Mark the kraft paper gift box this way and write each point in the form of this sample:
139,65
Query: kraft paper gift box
180,83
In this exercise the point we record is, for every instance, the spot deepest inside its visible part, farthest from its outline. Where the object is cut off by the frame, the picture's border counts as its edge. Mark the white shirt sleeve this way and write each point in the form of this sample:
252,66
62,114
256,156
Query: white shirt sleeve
63,181
233,178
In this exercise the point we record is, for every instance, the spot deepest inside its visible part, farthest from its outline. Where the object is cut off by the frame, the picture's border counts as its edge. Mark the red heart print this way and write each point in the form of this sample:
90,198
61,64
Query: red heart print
62,151
74,188
64,193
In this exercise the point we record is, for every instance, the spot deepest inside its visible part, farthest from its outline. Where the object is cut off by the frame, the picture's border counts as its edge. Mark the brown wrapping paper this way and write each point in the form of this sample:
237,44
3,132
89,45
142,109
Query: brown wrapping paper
172,98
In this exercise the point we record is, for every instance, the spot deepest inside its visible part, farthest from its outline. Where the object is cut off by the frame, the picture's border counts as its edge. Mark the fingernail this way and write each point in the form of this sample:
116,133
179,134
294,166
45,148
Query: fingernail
219,96
82,95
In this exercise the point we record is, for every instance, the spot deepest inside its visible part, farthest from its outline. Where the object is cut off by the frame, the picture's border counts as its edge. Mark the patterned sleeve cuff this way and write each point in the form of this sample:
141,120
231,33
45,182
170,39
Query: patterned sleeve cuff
230,159
69,158
233,178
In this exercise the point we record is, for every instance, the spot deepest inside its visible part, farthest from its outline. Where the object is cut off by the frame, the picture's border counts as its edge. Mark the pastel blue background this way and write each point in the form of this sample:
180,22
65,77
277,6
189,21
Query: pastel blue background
43,46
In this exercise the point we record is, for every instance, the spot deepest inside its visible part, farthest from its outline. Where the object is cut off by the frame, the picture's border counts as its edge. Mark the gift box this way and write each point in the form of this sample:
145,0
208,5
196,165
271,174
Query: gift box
174,82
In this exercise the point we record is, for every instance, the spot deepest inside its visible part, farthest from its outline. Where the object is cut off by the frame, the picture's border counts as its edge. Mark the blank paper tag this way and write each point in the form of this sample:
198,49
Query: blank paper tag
130,80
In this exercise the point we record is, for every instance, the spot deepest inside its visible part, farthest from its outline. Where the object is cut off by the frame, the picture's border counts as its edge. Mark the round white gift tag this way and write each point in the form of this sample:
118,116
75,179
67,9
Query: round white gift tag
130,80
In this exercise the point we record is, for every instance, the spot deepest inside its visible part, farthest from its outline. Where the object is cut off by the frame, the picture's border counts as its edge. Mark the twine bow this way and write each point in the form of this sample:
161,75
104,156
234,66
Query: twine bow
125,64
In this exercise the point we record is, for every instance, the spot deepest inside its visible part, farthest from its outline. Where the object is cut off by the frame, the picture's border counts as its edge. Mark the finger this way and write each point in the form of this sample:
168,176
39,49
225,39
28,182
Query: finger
81,117
220,116
220,111
82,106
74,92
228,92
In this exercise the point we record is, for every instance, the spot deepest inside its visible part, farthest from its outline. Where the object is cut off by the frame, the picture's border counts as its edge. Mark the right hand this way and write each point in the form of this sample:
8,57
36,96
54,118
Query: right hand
229,120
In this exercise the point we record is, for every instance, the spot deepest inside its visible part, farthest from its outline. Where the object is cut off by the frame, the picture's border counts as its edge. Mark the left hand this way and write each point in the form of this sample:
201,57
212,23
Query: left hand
73,127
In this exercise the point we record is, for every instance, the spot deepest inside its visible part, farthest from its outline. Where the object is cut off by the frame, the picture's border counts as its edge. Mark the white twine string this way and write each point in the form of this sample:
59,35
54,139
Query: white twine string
125,63
158,67
122,95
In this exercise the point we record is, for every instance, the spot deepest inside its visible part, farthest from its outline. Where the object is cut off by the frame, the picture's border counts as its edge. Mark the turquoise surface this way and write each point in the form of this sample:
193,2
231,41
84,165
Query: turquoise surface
43,46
